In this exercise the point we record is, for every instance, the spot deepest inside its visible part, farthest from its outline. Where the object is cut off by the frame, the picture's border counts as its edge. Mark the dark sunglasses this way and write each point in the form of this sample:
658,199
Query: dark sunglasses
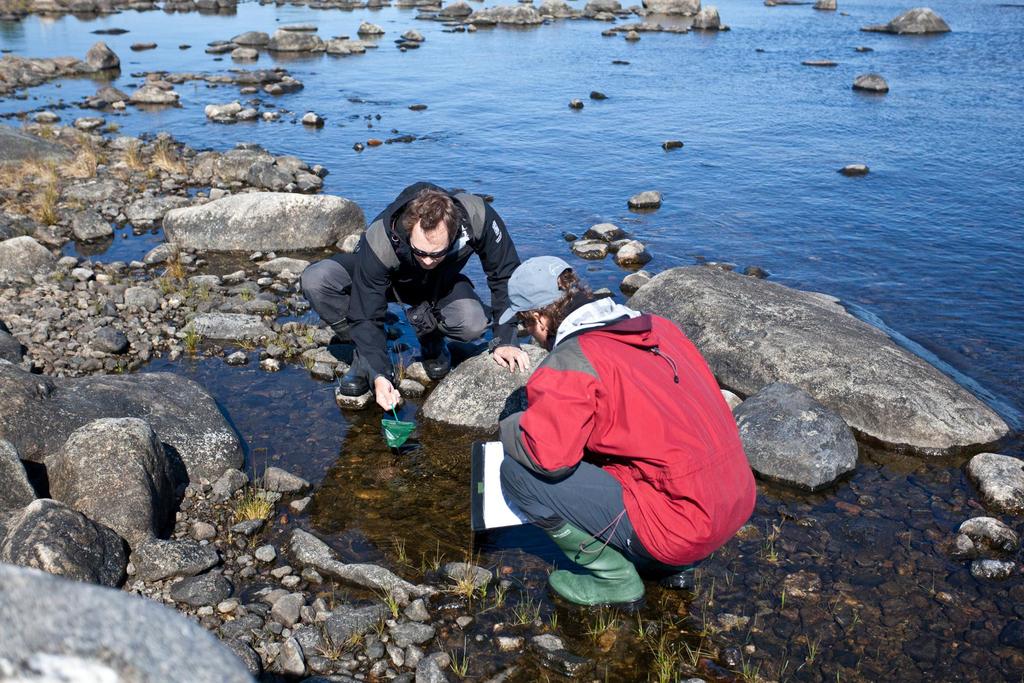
435,254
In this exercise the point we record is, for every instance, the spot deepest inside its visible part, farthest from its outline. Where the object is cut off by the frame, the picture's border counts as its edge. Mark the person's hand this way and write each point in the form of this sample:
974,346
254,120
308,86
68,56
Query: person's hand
386,394
511,357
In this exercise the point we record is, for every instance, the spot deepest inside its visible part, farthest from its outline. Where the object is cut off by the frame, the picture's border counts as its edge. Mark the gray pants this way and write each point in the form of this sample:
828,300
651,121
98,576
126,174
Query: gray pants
327,286
589,499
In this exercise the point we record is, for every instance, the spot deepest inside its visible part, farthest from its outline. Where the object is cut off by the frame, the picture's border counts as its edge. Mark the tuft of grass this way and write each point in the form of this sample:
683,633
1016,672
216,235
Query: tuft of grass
251,506
387,596
166,285
192,340
665,660
133,156
526,612
769,551
380,629
328,649
398,543
175,269
247,345
245,295
605,620
46,204
434,561
165,157
84,164
460,662
749,672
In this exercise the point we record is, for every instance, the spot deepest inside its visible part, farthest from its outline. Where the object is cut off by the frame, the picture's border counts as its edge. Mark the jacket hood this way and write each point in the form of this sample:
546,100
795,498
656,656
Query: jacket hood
608,316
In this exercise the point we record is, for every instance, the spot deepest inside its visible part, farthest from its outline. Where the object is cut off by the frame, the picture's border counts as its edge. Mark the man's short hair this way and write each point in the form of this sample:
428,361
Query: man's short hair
430,208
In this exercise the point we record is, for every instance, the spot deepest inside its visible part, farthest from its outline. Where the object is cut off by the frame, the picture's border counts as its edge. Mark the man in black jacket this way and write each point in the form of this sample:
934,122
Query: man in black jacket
413,253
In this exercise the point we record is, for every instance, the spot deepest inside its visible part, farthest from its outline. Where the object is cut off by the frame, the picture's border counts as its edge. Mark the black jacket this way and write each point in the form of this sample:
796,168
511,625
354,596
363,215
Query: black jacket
384,260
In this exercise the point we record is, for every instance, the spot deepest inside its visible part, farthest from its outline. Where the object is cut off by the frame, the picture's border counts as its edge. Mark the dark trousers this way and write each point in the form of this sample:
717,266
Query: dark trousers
589,499
327,285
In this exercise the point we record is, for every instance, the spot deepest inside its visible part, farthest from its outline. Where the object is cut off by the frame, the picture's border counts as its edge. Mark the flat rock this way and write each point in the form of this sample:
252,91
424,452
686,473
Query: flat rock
17,146
346,621
680,7
1000,480
265,221
23,257
517,15
754,332
607,232
16,491
645,200
411,633
592,249
276,479
115,472
148,211
229,326
48,536
251,39
790,437
295,41
126,637
478,392
153,95
283,263
145,298
40,413
205,589
161,559
553,655
917,21
87,225
871,83
310,551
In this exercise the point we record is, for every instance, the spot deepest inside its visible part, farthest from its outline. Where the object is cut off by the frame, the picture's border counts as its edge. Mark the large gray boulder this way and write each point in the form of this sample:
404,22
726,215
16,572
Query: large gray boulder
251,39
40,413
266,221
114,471
1000,479
16,146
479,392
102,58
790,437
23,257
229,326
295,41
15,490
753,333
686,8
517,15
48,536
309,551
97,634
917,21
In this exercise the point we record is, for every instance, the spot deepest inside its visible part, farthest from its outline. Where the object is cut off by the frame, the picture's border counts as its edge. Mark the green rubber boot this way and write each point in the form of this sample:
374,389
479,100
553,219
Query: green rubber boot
611,578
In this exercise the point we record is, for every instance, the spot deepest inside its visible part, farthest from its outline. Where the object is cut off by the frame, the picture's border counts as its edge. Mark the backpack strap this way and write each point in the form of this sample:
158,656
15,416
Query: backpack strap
476,210
380,244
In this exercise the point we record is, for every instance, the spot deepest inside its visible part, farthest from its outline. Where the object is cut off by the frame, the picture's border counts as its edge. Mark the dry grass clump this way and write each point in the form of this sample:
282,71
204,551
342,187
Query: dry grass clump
84,164
252,506
133,156
165,157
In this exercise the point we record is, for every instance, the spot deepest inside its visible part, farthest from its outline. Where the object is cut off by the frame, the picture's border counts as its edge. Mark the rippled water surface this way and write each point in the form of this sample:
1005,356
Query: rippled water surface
927,244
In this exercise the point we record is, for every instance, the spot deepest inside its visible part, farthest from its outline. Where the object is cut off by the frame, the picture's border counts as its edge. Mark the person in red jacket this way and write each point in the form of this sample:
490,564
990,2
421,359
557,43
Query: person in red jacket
627,455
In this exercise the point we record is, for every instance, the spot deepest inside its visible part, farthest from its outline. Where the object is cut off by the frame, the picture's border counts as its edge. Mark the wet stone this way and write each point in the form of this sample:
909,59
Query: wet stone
992,569
352,402
1000,479
991,534
281,481
650,199
411,633
575,104
199,591
554,656
854,170
237,358
590,249
462,571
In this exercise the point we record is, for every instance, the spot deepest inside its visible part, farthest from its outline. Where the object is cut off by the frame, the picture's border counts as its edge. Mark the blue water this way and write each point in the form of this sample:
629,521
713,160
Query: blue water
927,242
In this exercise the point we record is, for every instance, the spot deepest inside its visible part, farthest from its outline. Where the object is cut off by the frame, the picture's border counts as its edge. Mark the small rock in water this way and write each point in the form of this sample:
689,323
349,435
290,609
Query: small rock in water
597,95
590,249
352,402
270,364
819,62
368,29
359,147
1000,479
609,232
237,358
632,36
139,47
855,170
871,83
671,144
990,533
46,117
374,142
575,104
634,281
282,481
992,569
417,107
312,119
863,48
632,253
645,200
413,35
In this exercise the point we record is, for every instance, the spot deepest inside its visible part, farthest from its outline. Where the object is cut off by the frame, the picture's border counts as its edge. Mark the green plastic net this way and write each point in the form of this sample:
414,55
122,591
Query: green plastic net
396,432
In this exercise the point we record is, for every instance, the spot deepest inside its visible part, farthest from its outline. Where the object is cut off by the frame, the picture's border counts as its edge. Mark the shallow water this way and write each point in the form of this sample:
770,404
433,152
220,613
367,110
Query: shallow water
926,244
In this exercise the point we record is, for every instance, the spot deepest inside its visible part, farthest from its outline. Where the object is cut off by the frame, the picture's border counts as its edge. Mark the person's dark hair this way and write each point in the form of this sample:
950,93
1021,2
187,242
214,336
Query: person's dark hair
576,294
430,207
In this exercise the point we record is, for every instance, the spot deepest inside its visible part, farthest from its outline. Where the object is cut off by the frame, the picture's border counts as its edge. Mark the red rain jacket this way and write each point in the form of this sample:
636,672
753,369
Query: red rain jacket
636,398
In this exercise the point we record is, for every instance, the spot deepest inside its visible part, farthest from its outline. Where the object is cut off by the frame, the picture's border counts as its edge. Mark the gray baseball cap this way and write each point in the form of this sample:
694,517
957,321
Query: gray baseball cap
534,284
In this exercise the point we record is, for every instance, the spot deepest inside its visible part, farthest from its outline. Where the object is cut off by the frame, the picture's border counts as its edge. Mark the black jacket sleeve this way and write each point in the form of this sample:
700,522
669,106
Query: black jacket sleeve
499,258
368,306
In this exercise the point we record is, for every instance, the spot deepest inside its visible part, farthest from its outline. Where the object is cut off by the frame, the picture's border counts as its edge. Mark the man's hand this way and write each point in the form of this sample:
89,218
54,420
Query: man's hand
511,357
386,394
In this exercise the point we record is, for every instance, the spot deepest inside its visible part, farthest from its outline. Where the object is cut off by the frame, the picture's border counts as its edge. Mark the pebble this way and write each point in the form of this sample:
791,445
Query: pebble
237,358
575,104
597,95
299,506
270,364
854,170
312,119
671,144
266,553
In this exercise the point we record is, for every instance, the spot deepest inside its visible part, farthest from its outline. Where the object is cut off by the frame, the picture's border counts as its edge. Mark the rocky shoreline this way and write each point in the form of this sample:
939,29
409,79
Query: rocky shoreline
135,481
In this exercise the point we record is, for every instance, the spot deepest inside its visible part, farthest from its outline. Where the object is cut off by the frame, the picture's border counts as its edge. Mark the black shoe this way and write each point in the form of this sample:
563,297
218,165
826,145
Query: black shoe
684,580
353,383
437,362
